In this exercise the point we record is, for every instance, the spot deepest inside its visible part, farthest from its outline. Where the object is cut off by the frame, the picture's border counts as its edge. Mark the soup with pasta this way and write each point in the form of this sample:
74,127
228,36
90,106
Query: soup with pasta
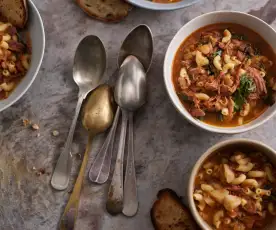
236,190
225,74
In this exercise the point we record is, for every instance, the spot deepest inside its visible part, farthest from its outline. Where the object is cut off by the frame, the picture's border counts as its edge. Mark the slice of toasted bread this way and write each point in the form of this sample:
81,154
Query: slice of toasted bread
169,213
107,10
14,11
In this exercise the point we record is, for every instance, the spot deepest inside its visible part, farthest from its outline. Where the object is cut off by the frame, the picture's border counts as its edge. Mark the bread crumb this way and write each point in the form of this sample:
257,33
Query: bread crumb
55,133
42,171
33,168
35,127
26,122
38,135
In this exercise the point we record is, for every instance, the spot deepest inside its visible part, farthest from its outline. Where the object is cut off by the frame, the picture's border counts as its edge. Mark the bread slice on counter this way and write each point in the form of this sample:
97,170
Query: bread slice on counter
169,213
14,11
105,10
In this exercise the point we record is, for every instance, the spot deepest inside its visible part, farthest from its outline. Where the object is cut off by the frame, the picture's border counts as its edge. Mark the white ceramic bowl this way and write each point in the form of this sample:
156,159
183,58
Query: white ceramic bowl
249,21
251,145
36,29
147,4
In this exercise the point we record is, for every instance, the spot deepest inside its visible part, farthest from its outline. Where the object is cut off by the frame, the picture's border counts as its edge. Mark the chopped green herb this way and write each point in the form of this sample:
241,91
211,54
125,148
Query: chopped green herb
270,98
240,37
201,118
268,186
247,86
257,51
210,70
262,66
184,97
218,52
220,117
272,197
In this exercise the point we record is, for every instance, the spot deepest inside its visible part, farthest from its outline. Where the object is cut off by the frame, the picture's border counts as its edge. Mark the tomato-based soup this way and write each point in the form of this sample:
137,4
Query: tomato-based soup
236,190
225,74
15,58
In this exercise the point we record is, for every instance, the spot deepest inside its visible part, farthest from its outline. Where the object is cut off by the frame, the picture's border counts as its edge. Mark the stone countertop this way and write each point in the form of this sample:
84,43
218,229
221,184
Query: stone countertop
166,146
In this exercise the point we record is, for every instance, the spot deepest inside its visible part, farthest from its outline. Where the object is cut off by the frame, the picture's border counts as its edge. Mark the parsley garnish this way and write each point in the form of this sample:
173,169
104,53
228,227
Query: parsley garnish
218,52
240,37
220,117
201,118
257,51
184,97
247,86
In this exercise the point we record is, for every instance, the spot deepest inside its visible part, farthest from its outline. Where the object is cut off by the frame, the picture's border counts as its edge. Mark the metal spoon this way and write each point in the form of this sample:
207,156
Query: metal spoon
89,66
139,43
130,94
97,117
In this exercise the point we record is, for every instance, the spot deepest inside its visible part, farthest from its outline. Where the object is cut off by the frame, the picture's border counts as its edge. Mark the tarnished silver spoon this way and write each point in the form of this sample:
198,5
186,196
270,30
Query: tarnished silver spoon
130,94
88,70
138,43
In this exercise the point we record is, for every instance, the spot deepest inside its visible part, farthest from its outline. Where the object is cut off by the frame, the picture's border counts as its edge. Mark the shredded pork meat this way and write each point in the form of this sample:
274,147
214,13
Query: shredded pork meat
230,73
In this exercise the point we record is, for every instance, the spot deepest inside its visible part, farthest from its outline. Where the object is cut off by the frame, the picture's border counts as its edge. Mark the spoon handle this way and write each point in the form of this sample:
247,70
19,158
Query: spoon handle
70,214
130,188
100,169
60,178
114,203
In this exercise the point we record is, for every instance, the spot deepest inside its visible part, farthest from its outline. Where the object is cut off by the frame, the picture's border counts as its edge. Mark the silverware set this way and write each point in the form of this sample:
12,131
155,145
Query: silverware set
134,61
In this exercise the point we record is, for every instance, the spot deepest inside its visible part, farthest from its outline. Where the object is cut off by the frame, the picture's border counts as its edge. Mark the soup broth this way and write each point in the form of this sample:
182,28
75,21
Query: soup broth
224,74
234,189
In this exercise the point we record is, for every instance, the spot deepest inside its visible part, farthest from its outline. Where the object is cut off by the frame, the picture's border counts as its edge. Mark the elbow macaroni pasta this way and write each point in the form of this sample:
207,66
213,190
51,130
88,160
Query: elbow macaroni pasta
227,67
228,173
238,180
263,192
207,188
217,218
250,183
238,185
256,174
14,59
200,59
227,36
245,168
269,174
271,209
217,62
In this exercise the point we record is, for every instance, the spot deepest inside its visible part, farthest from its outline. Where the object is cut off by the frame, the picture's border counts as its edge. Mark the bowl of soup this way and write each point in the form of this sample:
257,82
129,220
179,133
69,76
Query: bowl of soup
220,71
21,55
162,4
233,186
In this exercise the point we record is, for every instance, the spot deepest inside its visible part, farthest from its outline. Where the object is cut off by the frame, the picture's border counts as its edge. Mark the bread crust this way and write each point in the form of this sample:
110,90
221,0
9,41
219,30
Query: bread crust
26,15
105,19
20,6
169,195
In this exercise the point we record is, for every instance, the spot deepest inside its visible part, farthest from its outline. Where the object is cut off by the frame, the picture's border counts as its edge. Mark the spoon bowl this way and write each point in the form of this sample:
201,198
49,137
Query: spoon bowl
130,88
87,76
98,110
139,43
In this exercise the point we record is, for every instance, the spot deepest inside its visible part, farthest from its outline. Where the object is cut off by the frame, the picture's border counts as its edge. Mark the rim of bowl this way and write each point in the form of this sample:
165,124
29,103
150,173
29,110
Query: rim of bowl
162,6
200,161
196,122
40,60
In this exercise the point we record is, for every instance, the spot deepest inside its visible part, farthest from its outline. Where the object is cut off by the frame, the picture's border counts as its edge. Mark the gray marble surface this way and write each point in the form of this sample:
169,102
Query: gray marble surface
166,146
